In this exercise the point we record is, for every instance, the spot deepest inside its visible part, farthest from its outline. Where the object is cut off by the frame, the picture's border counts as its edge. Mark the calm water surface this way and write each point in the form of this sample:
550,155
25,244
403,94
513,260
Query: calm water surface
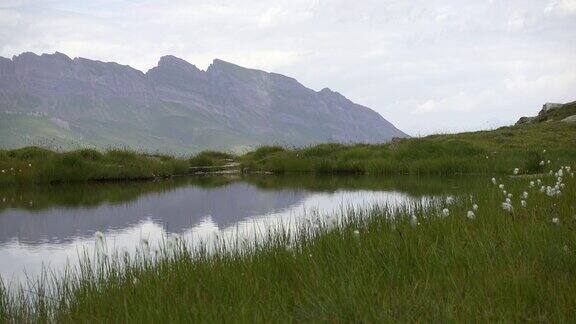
48,226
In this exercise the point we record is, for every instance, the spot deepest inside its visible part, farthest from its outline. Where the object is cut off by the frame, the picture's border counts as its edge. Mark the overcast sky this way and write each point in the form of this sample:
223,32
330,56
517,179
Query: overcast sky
427,66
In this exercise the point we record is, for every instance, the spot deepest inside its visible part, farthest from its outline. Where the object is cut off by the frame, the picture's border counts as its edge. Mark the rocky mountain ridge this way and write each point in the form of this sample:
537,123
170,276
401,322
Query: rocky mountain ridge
173,107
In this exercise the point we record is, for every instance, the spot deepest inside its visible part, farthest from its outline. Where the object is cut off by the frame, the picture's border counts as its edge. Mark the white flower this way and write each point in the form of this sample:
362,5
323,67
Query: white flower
493,180
449,200
509,195
508,201
560,173
475,207
356,232
539,182
556,221
134,281
470,214
501,186
516,171
524,195
549,162
542,189
523,203
562,185
99,236
445,212
542,163
507,207
29,165
543,151
505,192
531,184
3,171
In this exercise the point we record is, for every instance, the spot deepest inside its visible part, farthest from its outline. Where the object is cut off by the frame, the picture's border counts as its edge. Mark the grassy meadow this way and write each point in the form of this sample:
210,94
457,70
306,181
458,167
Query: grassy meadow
36,165
484,152
495,151
443,261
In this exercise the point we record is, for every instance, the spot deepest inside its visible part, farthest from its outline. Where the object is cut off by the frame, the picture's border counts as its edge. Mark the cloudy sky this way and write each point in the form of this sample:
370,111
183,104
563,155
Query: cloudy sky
426,65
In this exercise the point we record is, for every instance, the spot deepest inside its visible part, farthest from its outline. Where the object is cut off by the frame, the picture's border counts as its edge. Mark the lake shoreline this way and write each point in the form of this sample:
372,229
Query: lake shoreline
364,267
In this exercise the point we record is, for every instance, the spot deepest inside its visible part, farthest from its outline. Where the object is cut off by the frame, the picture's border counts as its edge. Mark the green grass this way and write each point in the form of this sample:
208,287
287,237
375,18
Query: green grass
500,266
37,165
497,151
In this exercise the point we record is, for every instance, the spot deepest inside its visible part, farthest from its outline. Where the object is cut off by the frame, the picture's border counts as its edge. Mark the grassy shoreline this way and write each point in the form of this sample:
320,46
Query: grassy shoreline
485,152
377,264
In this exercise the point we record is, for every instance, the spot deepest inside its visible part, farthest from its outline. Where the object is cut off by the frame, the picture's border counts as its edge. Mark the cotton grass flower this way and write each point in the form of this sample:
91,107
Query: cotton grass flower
542,163
508,201
523,203
556,221
531,184
445,212
524,195
509,195
516,171
99,236
356,233
493,180
475,207
507,207
450,200
470,214
501,186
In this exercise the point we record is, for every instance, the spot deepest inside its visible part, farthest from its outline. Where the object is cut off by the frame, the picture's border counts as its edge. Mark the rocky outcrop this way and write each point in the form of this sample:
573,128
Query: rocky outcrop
551,112
570,119
550,106
179,108
524,120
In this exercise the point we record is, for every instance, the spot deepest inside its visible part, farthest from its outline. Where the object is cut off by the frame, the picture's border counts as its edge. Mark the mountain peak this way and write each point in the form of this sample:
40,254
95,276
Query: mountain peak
173,61
218,64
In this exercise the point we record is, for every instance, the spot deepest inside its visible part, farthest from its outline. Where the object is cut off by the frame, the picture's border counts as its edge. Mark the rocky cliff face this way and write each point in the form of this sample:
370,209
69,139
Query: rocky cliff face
179,108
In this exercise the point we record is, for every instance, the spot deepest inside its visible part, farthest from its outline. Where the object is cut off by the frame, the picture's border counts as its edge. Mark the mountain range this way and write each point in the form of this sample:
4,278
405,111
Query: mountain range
56,101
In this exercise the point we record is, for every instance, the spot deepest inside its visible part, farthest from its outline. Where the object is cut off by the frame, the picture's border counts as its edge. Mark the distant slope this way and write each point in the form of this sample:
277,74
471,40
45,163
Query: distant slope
18,130
174,107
